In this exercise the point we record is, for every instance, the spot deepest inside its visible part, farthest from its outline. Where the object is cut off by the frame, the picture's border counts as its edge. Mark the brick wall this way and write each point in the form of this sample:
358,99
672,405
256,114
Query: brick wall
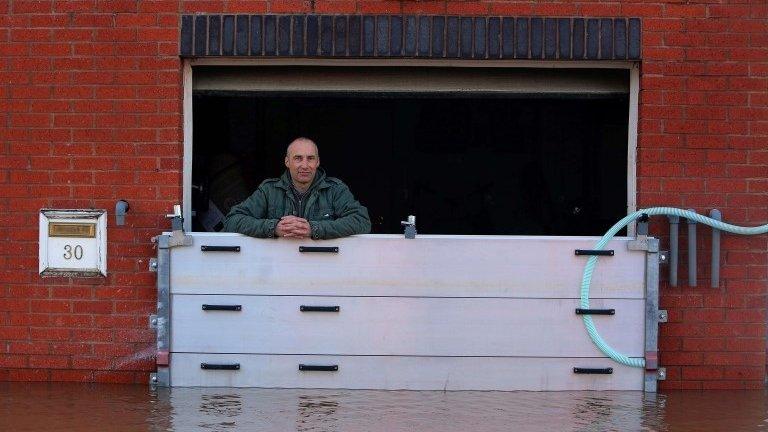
90,108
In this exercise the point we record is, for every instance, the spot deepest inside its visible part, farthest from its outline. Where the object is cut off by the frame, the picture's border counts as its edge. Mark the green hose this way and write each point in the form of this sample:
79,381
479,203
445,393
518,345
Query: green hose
589,268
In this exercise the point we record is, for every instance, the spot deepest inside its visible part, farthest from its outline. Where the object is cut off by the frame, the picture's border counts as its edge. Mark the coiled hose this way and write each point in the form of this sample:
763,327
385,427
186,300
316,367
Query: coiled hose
589,268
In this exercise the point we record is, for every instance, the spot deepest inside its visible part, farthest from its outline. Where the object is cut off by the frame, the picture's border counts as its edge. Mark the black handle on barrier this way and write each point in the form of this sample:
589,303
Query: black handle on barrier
206,248
210,307
600,252
218,366
580,311
603,371
325,249
323,368
304,308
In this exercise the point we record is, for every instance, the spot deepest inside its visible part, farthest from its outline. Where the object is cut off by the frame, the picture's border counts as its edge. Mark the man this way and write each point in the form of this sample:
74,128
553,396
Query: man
303,203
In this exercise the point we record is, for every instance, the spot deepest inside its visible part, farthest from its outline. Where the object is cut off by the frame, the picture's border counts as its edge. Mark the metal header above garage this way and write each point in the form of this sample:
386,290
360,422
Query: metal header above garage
356,36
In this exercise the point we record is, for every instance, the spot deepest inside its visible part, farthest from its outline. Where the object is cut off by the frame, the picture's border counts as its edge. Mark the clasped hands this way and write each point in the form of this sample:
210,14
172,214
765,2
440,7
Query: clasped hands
293,226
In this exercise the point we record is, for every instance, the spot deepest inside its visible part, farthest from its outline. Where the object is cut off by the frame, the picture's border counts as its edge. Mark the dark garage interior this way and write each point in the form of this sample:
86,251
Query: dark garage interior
487,164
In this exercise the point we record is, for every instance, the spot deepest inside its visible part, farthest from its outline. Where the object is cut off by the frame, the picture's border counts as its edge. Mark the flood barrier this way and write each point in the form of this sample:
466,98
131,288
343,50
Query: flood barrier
386,312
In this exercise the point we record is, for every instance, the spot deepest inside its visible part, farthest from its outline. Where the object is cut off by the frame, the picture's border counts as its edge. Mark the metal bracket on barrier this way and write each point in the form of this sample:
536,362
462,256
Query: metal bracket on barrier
163,358
663,316
661,374
651,360
177,237
643,243
663,257
153,265
153,321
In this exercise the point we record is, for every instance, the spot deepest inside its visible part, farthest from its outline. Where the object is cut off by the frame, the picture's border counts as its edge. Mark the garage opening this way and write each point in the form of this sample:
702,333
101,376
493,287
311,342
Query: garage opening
488,151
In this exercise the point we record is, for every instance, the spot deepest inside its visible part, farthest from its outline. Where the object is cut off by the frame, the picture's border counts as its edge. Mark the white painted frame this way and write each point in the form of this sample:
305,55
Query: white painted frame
74,215
632,126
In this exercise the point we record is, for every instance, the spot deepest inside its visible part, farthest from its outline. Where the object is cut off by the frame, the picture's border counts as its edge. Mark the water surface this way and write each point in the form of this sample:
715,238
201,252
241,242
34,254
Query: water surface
101,407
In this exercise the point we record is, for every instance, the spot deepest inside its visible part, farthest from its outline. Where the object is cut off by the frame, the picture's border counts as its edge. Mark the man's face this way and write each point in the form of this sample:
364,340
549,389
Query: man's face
302,162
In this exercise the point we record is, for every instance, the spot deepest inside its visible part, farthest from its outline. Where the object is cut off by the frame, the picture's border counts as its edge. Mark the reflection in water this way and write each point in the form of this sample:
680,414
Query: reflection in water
226,407
316,412
99,407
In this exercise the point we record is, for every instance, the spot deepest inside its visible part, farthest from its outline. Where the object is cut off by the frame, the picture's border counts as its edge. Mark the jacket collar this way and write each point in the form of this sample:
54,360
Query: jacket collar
318,183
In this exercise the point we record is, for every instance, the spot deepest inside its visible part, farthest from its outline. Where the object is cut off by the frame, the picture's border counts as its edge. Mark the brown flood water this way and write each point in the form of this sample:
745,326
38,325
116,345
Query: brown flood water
99,407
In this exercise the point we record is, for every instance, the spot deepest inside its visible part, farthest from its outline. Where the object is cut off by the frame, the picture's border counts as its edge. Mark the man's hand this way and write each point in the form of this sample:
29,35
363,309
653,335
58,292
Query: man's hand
293,226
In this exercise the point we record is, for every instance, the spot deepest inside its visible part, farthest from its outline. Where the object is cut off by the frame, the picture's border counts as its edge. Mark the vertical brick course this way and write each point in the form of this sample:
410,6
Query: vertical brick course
90,112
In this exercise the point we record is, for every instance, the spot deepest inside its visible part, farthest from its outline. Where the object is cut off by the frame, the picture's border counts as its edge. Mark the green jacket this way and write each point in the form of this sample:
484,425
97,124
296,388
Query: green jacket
330,208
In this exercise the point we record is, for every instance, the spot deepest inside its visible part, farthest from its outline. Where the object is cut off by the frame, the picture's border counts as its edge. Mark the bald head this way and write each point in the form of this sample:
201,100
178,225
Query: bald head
302,160
303,143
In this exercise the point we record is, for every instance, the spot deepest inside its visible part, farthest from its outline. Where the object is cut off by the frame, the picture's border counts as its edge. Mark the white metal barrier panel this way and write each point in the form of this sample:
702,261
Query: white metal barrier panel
385,312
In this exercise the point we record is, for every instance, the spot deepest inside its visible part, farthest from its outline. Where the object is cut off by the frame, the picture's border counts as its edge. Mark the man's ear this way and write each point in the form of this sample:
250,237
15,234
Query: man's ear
286,161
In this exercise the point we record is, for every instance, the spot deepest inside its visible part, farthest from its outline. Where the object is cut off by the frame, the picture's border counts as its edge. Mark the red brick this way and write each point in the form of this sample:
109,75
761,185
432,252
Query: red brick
683,185
52,334
114,350
748,113
703,315
134,335
704,344
744,373
747,200
28,375
71,292
14,162
720,98
72,320
675,97
13,333
722,385
748,171
680,358
289,6
735,359
758,185
208,6
745,344
435,7
92,335
727,39
51,306
91,363
115,377
749,84
731,10
115,321
505,8
93,307
28,319
71,177
13,361
466,8
49,361
71,375
702,373
252,7
71,348
663,83
746,315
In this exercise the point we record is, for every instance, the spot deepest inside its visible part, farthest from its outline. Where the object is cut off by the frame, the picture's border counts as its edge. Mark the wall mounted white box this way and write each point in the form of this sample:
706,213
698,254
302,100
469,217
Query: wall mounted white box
73,243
